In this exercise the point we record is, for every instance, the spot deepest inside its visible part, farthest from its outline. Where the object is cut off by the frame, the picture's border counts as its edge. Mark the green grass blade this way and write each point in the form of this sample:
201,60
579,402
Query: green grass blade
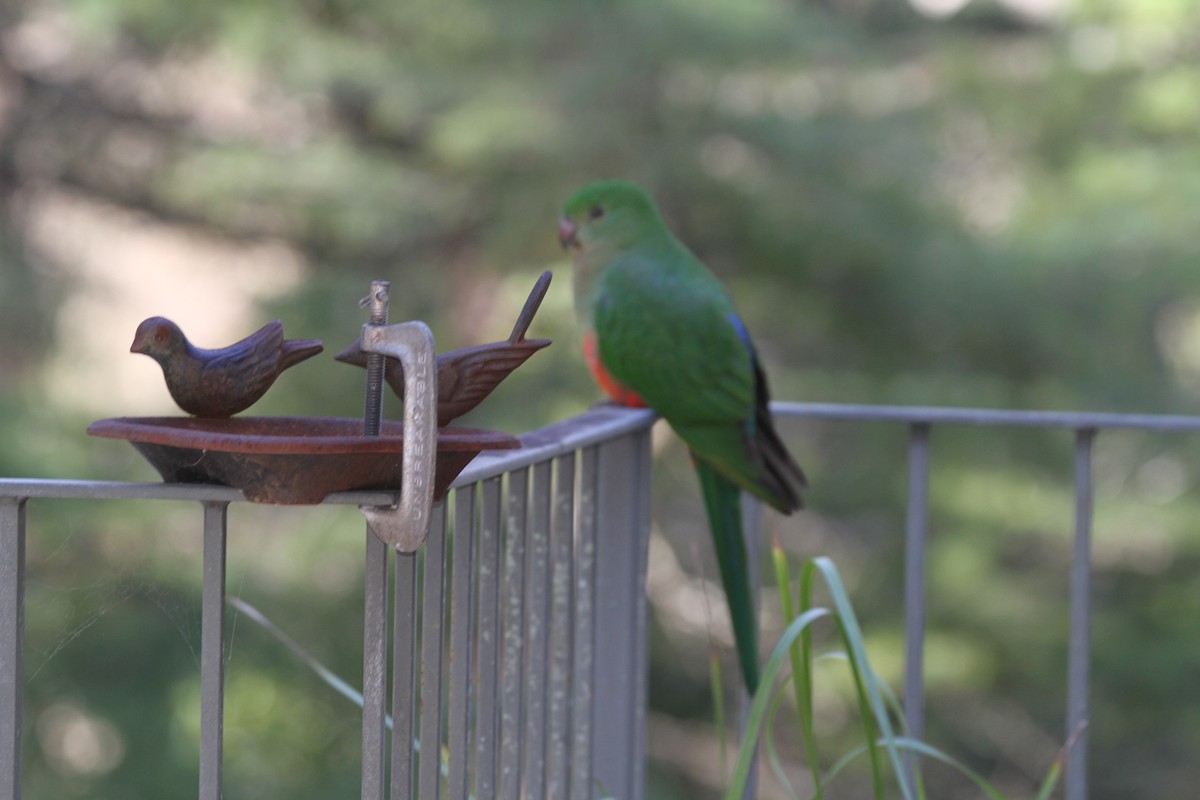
846,760
1055,771
866,717
864,707
893,703
801,674
917,746
762,698
773,752
718,701
866,682
1051,780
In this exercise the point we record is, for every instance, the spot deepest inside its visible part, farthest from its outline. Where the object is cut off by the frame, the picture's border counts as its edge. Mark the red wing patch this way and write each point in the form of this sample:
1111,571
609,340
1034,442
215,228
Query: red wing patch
622,395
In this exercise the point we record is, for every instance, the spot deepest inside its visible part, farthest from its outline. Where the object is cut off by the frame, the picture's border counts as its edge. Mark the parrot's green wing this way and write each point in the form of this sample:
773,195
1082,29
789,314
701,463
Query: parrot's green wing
667,329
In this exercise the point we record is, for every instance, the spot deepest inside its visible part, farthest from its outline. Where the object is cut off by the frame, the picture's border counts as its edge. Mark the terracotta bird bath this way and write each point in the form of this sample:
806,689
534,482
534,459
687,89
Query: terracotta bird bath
299,460
290,460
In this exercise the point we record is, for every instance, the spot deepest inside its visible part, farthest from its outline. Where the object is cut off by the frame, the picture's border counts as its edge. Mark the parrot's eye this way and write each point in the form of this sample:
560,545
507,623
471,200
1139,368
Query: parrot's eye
595,212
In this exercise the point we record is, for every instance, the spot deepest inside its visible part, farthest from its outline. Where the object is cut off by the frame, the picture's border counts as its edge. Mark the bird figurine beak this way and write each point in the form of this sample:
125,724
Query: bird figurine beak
567,233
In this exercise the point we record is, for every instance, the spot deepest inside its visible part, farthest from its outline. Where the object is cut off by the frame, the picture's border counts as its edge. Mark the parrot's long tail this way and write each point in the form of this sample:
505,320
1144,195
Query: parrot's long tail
723,501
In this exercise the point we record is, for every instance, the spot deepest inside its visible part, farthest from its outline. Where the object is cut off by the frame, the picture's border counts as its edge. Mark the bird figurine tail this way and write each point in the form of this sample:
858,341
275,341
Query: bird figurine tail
723,502
294,351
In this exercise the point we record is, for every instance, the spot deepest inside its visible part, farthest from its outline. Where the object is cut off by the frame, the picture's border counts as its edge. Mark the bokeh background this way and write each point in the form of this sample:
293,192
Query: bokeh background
983,203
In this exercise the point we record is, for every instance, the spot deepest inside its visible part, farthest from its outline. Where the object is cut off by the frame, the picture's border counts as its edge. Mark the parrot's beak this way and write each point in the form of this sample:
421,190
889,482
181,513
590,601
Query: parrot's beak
567,233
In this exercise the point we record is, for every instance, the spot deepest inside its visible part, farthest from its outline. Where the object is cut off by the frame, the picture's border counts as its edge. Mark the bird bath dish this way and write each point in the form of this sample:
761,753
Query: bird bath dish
290,460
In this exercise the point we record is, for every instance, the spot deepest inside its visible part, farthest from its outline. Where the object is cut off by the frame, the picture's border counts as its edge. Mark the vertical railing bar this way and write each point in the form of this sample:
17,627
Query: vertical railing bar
1080,638
513,681
374,720
916,525
212,649
462,576
561,630
616,633
487,724
641,644
12,642
404,674
585,610
537,622
432,614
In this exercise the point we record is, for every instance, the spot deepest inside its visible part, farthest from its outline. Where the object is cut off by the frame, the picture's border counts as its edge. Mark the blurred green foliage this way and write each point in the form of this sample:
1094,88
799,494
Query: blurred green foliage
995,207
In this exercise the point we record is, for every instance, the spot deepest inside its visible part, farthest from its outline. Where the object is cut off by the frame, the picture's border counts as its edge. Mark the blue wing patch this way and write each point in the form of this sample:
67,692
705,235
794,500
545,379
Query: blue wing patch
744,335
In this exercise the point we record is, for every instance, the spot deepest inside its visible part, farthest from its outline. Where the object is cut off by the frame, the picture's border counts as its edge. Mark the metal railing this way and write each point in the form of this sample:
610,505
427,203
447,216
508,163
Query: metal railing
533,572
545,552
920,422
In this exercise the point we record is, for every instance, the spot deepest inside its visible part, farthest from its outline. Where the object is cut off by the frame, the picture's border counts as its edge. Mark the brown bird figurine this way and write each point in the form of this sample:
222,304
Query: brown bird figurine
466,376
220,383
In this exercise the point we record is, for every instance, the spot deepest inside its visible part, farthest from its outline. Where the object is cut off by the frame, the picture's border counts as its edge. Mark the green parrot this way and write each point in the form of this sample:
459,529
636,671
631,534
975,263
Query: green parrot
660,331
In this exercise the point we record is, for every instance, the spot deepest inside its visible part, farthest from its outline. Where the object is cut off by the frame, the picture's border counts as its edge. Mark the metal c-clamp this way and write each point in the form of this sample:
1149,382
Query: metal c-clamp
405,526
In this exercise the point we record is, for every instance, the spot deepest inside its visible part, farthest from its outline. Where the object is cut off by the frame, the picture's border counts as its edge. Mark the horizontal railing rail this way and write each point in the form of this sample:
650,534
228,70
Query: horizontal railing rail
993,417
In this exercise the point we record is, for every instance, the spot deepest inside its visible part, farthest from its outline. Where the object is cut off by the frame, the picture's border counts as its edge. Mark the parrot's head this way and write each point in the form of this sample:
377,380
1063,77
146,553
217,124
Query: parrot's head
607,217
158,338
